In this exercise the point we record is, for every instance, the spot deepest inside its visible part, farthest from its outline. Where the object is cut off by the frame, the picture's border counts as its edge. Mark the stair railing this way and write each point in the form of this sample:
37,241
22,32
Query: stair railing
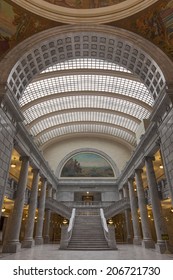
71,224
104,225
109,233
66,233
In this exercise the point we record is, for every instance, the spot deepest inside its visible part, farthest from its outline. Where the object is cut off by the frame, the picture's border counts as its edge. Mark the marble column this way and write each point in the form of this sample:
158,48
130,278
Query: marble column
127,216
156,205
28,241
147,241
11,242
40,219
47,226
135,219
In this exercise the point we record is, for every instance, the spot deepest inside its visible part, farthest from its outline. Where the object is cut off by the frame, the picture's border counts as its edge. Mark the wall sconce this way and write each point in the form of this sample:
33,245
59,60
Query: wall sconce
161,166
171,210
3,209
65,222
110,222
13,164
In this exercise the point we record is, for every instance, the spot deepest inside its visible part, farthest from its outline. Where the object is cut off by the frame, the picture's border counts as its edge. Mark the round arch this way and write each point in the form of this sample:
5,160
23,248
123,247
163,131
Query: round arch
102,154
144,60
117,45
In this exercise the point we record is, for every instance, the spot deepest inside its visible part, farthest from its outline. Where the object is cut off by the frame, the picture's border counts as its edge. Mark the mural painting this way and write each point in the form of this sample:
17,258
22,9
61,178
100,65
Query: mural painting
84,4
87,165
155,24
17,24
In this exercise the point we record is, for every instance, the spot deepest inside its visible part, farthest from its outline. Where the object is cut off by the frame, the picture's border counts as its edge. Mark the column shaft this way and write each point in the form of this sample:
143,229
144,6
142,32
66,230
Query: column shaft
156,205
47,226
147,241
11,243
135,220
127,217
28,241
40,220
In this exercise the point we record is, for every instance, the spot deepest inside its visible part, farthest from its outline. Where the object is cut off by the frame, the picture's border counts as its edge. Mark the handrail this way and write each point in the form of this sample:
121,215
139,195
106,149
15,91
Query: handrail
109,233
104,225
71,225
66,236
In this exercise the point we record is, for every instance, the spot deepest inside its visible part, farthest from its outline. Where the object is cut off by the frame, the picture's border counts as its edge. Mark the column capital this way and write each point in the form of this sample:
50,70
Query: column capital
131,179
35,170
151,158
24,158
138,171
43,179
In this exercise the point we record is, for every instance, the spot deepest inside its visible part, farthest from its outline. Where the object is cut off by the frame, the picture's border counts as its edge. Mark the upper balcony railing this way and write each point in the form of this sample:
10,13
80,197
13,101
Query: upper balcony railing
85,204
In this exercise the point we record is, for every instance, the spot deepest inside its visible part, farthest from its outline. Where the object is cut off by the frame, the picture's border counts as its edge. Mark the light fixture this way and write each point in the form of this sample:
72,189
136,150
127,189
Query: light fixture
87,192
171,210
65,222
13,164
161,166
3,209
110,222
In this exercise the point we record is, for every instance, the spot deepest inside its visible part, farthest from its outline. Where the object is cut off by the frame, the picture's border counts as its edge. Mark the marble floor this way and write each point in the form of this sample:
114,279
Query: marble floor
52,252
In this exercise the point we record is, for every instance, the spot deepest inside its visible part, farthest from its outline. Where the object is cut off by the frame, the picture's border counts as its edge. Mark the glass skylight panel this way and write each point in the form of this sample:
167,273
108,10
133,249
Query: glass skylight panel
78,83
85,63
82,102
82,117
88,128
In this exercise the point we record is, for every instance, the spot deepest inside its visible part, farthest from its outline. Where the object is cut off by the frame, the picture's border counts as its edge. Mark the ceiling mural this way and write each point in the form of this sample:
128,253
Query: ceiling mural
84,4
155,24
17,24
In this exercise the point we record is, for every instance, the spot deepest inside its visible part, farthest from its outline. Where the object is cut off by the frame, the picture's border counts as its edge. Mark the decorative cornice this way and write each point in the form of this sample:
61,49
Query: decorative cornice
97,15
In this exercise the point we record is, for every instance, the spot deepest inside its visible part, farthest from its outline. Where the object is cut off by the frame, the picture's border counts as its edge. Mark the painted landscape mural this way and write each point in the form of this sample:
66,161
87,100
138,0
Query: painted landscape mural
87,165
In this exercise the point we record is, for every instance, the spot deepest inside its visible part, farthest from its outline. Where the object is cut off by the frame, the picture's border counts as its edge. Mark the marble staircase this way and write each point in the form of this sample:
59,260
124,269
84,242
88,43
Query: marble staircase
88,232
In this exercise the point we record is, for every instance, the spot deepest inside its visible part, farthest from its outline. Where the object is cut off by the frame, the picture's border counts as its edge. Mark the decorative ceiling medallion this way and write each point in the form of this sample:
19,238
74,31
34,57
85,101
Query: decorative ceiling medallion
84,11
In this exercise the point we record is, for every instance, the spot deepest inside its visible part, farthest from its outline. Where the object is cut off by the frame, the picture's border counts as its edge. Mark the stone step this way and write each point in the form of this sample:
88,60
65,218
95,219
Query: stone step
88,233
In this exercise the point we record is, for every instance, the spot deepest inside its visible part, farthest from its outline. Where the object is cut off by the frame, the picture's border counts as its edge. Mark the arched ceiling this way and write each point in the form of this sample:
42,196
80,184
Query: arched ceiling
85,96
84,11
87,80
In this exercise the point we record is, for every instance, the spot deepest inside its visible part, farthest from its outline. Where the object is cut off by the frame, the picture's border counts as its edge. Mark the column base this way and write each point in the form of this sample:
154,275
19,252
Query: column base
137,241
38,241
148,243
46,239
129,240
164,248
11,247
28,243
